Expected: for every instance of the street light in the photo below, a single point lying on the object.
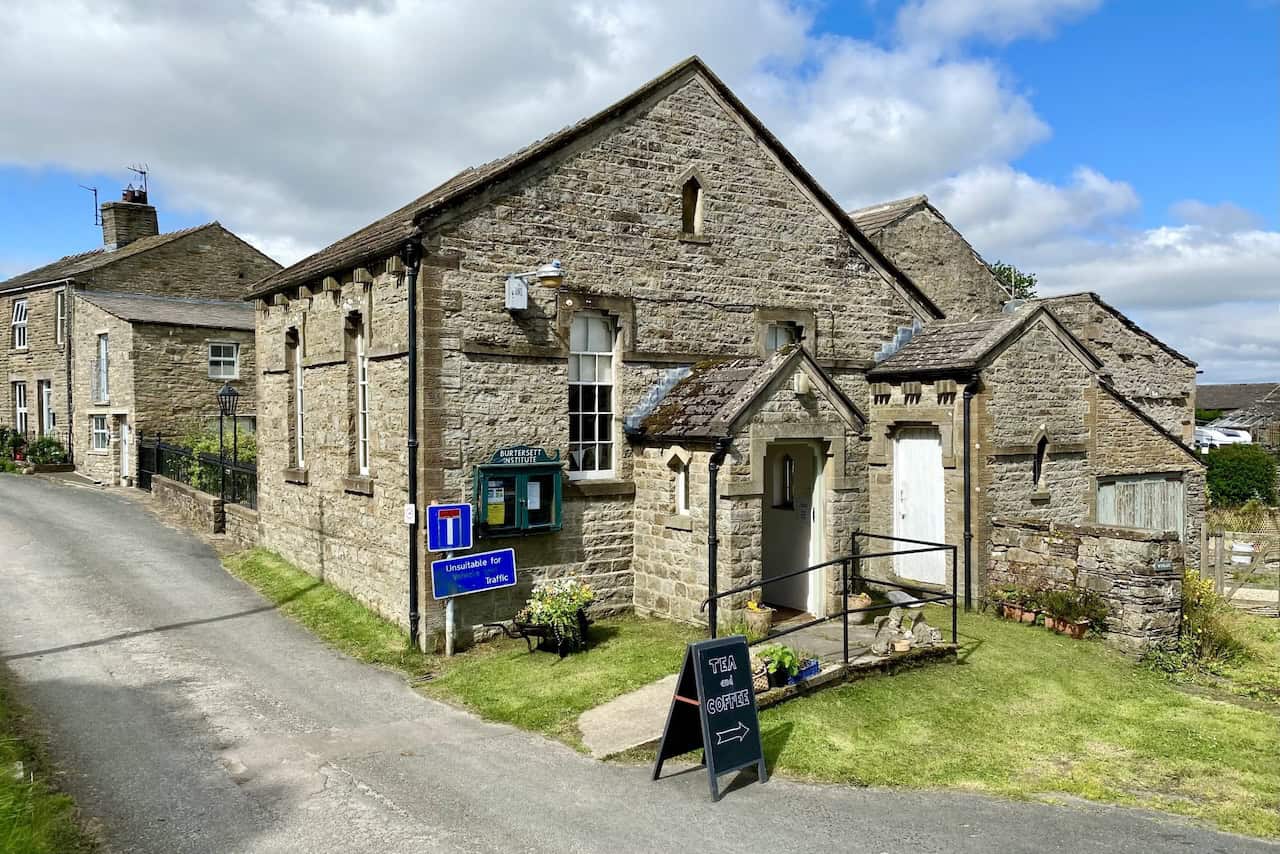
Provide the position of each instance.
(228, 400)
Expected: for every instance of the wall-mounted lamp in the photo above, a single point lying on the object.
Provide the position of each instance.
(550, 275)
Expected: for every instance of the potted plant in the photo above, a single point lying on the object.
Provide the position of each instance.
(781, 663)
(809, 668)
(1004, 600)
(561, 607)
(759, 619)
(1029, 602)
(1057, 606)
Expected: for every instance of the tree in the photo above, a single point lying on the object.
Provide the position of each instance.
(1238, 473)
(1021, 285)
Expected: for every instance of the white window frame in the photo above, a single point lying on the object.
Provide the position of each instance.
(18, 325)
(44, 390)
(362, 404)
(588, 359)
(779, 335)
(300, 458)
(20, 409)
(99, 437)
(60, 313)
(682, 488)
(222, 361)
(103, 369)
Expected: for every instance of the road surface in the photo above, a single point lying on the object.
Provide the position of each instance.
(191, 717)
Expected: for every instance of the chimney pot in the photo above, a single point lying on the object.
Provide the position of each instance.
(128, 220)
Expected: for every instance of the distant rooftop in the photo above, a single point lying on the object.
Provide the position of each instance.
(174, 311)
(1229, 396)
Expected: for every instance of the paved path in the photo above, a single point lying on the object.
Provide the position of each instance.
(196, 719)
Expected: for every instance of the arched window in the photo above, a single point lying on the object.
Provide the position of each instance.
(1037, 464)
(691, 207)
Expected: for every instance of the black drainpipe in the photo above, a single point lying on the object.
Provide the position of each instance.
(969, 391)
(411, 254)
(713, 539)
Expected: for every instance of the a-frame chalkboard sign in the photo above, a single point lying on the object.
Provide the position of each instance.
(714, 707)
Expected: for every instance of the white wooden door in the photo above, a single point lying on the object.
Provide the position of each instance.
(919, 502)
(788, 542)
(126, 451)
(1149, 501)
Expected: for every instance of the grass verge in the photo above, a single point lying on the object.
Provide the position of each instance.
(1026, 713)
(34, 817)
(499, 681)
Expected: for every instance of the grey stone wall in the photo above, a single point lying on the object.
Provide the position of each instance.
(196, 509)
(1162, 385)
(943, 264)
(211, 263)
(173, 392)
(100, 464)
(609, 208)
(1119, 564)
(240, 524)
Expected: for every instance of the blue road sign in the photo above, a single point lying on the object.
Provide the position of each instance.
(448, 527)
(474, 573)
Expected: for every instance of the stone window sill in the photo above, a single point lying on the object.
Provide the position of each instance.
(99, 452)
(597, 488)
(679, 522)
(1041, 495)
(358, 485)
(298, 476)
(686, 237)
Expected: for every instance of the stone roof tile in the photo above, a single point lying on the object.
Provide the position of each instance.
(173, 311)
(73, 265)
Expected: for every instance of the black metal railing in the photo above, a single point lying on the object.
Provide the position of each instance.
(852, 580)
(235, 481)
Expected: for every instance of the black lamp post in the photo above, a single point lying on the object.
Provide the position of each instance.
(228, 400)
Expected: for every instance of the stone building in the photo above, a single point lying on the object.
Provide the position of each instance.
(710, 302)
(46, 371)
(1051, 438)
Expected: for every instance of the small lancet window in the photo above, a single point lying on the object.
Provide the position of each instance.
(784, 483)
(1037, 465)
(691, 207)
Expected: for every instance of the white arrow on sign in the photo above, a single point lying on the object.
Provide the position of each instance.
(737, 733)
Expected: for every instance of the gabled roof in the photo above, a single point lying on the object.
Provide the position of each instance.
(1262, 413)
(960, 348)
(382, 236)
(173, 311)
(875, 217)
(1133, 327)
(73, 265)
(1232, 395)
(711, 400)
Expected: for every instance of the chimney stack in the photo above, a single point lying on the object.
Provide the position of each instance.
(129, 219)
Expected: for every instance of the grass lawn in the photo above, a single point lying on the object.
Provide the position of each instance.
(1024, 714)
(34, 819)
(1027, 712)
(499, 681)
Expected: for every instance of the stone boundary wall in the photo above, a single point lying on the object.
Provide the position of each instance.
(201, 511)
(1117, 563)
(240, 524)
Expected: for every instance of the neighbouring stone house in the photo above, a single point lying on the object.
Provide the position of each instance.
(48, 373)
(712, 303)
(1261, 418)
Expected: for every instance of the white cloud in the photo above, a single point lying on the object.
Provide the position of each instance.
(941, 22)
(1005, 212)
(1223, 217)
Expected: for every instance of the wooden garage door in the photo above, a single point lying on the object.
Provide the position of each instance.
(1150, 501)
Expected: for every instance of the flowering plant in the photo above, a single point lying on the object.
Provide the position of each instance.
(556, 604)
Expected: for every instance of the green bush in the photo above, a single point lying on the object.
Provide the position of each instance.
(1238, 473)
(1205, 641)
(11, 442)
(47, 451)
(206, 477)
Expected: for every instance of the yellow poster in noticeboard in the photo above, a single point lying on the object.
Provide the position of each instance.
(496, 504)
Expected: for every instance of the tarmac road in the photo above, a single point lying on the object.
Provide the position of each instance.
(191, 717)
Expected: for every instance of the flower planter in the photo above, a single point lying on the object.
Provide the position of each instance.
(859, 600)
(1074, 629)
(901, 644)
(778, 678)
(759, 621)
(1050, 623)
(1010, 612)
(1029, 617)
(808, 670)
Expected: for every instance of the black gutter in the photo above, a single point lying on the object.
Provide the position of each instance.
(411, 255)
(713, 539)
(969, 391)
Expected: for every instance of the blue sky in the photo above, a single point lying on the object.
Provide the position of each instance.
(1127, 147)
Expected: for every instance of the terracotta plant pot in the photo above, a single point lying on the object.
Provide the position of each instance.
(1029, 617)
(1050, 623)
(902, 645)
(1073, 629)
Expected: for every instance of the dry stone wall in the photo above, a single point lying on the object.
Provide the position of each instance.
(196, 509)
(1137, 573)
